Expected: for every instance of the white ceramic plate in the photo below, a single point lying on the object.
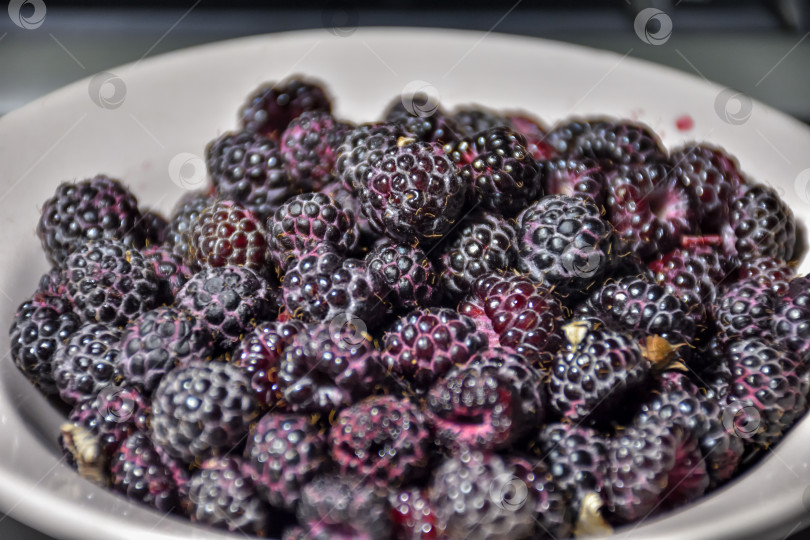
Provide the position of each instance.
(134, 122)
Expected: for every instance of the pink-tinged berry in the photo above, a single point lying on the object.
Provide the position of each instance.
(383, 439)
(309, 146)
(328, 368)
(413, 516)
(574, 177)
(772, 273)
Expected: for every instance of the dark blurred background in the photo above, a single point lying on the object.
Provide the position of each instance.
(754, 46)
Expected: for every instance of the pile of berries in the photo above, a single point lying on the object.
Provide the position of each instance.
(460, 326)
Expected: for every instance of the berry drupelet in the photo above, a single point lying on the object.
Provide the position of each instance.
(760, 224)
(94, 209)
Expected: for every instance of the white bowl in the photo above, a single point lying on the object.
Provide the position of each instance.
(134, 122)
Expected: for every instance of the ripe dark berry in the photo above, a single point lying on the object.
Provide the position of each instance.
(89, 210)
(487, 404)
(305, 221)
(565, 244)
(322, 285)
(110, 283)
(500, 173)
(424, 345)
(249, 169)
(226, 234)
(87, 363)
(575, 177)
(482, 244)
(773, 273)
(222, 495)
(342, 507)
(462, 496)
(144, 474)
(517, 313)
(259, 354)
(229, 300)
(329, 367)
(271, 107)
(382, 439)
(409, 274)
(361, 147)
(411, 192)
(745, 309)
(202, 409)
(184, 216)
(713, 177)
(171, 271)
(285, 452)
(419, 115)
(618, 143)
(155, 227)
(41, 325)
(595, 378)
(760, 225)
(159, 340)
(649, 209)
(472, 120)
